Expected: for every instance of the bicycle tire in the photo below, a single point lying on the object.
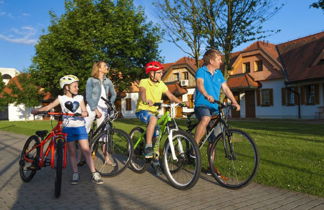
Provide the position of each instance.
(183, 173)
(120, 151)
(138, 162)
(25, 171)
(59, 166)
(238, 169)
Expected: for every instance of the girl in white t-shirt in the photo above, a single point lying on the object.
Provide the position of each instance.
(74, 126)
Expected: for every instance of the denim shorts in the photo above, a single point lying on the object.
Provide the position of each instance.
(144, 116)
(75, 133)
(201, 111)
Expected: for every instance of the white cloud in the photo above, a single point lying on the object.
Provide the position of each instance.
(24, 35)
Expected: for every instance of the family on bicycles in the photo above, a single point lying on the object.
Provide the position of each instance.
(209, 80)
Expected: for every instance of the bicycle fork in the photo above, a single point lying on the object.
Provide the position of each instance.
(228, 146)
(180, 147)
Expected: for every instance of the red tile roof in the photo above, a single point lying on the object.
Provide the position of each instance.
(298, 56)
(243, 81)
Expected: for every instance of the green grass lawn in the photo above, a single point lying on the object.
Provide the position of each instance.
(291, 152)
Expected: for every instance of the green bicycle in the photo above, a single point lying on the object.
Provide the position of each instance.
(180, 157)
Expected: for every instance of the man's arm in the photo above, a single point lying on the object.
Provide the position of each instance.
(230, 95)
(201, 88)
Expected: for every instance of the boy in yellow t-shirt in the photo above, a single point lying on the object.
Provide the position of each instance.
(150, 92)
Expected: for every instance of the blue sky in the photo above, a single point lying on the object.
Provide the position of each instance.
(23, 21)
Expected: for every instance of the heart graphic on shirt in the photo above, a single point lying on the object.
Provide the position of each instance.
(72, 106)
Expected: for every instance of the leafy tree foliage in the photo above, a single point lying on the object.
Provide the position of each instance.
(319, 4)
(226, 24)
(182, 23)
(23, 91)
(93, 30)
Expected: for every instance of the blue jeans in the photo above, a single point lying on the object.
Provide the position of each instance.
(144, 116)
(202, 111)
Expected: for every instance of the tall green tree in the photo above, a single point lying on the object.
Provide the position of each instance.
(114, 31)
(237, 22)
(224, 24)
(319, 4)
(181, 20)
(24, 92)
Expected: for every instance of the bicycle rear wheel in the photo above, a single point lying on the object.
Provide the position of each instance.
(28, 159)
(182, 173)
(138, 161)
(59, 166)
(119, 152)
(236, 167)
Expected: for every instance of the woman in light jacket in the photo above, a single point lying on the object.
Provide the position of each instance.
(98, 85)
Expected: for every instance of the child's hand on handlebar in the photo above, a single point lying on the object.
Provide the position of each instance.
(149, 102)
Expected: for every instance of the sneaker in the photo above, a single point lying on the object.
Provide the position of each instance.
(96, 178)
(157, 167)
(75, 178)
(148, 152)
(209, 173)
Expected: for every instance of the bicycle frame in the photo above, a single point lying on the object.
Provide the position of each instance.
(55, 135)
(164, 124)
(104, 126)
(220, 119)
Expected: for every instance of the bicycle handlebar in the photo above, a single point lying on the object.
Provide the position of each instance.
(223, 105)
(168, 105)
(58, 114)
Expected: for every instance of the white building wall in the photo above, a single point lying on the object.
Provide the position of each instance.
(11, 71)
(185, 98)
(282, 111)
(242, 105)
(20, 113)
(277, 110)
(125, 113)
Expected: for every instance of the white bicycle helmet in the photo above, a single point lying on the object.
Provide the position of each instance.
(67, 80)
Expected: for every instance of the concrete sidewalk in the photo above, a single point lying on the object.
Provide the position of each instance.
(130, 190)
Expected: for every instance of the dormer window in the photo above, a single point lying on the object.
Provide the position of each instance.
(246, 67)
(258, 65)
(185, 75)
(176, 76)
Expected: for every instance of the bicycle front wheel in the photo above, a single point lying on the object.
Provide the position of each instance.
(28, 159)
(138, 161)
(112, 152)
(59, 166)
(183, 171)
(233, 160)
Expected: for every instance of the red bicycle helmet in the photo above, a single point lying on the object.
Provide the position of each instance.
(153, 66)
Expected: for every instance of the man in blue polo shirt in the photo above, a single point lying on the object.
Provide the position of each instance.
(210, 81)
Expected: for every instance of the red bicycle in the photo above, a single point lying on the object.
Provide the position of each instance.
(33, 156)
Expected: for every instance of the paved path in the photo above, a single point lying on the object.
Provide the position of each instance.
(131, 191)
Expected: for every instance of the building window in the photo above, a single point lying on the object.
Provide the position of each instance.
(185, 75)
(258, 65)
(6, 76)
(246, 67)
(290, 97)
(176, 76)
(128, 104)
(266, 97)
(310, 94)
(191, 101)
